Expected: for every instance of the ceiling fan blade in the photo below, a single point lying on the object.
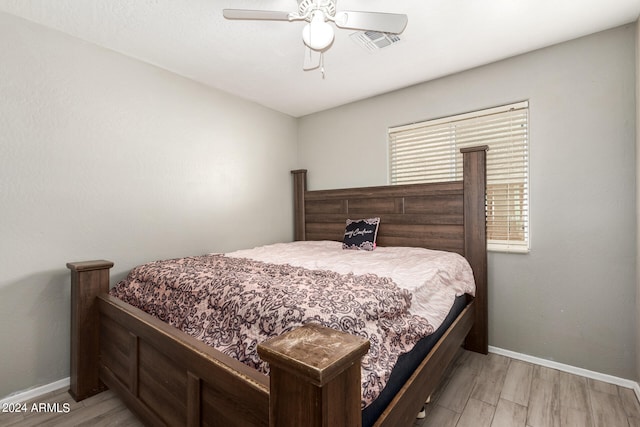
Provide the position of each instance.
(271, 15)
(311, 59)
(372, 21)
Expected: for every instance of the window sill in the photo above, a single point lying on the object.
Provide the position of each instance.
(492, 247)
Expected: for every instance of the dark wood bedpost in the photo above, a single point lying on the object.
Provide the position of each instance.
(314, 377)
(475, 241)
(88, 280)
(299, 187)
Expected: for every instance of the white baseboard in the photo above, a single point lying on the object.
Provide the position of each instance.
(570, 369)
(33, 393)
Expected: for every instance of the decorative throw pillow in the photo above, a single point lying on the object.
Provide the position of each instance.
(361, 234)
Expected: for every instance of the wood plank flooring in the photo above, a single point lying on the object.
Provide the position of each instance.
(103, 410)
(497, 391)
(491, 391)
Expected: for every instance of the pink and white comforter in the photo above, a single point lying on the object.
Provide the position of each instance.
(235, 301)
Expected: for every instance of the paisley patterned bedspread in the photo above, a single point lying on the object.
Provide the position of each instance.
(233, 304)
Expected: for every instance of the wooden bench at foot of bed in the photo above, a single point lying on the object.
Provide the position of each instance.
(169, 378)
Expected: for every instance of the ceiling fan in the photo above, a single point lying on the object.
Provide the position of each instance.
(317, 34)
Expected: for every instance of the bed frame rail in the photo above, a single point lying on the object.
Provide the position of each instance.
(426, 378)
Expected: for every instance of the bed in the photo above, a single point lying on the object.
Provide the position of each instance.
(170, 378)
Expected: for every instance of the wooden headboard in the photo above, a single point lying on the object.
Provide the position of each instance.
(446, 216)
(423, 215)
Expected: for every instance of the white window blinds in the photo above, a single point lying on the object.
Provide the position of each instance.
(430, 152)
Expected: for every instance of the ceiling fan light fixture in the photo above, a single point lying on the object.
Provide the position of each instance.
(318, 34)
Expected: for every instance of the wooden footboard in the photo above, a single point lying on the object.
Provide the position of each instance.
(162, 374)
(170, 378)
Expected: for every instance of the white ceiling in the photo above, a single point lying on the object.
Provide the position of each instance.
(262, 60)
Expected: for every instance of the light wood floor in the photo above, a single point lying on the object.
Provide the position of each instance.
(103, 410)
(497, 391)
(492, 391)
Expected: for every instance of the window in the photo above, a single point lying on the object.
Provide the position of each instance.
(430, 152)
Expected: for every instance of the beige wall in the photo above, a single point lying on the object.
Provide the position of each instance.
(102, 156)
(571, 300)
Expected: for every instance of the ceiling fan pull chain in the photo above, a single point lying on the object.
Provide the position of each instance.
(322, 64)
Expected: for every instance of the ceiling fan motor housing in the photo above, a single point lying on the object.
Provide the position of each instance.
(326, 6)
